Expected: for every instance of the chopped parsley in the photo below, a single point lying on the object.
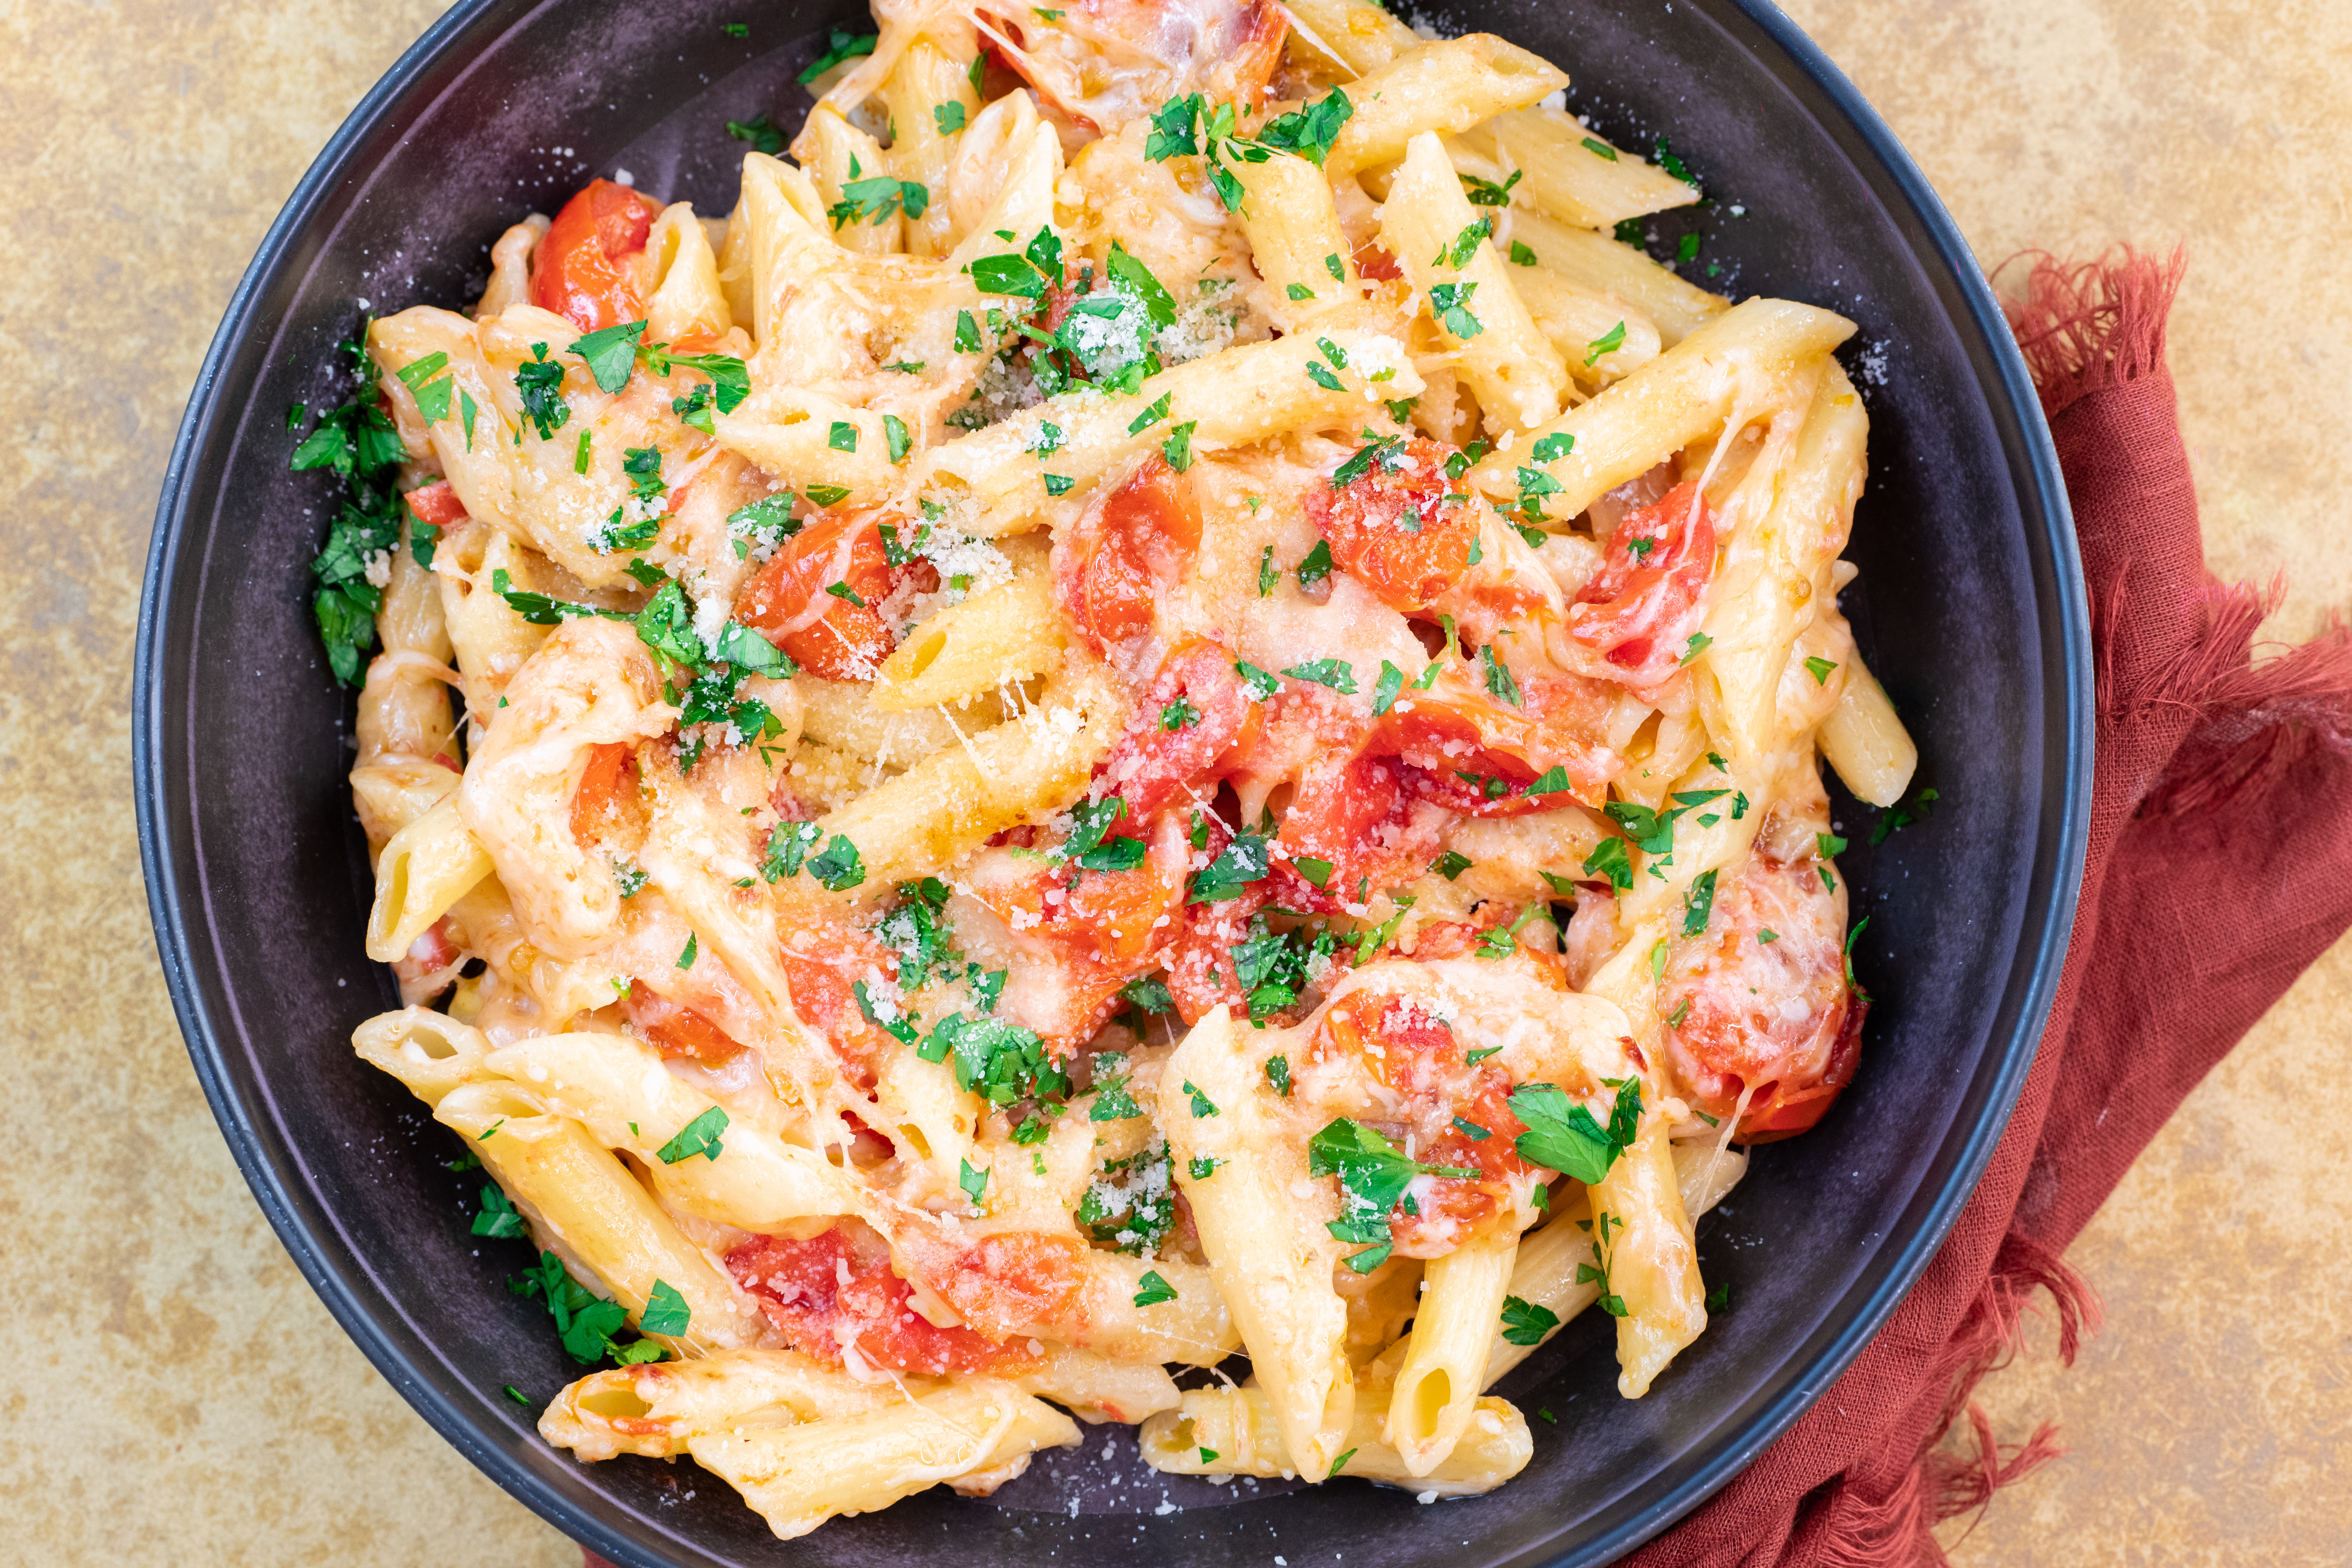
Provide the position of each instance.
(841, 44)
(1449, 303)
(1178, 447)
(877, 199)
(498, 1219)
(700, 1136)
(763, 136)
(586, 1321)
(1526, 1322)
(1373, 1175)
(1336, 673)
(1819, 669)
(610, 353)
(1610, 859)
(1152, 1290)
(1487, 194)
(1465, 244)
(1607, 342)
(1563, 1136)
(1277, 1073)
(1699, 905)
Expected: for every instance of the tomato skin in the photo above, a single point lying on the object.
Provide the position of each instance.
(823, 1290)
(1789, 1110)
(673, 1029)
(821, 964)
(1374, 263)
(1151, 767)
(1352, 811)
(1094, 930)
(1365, 522)
(1775, 1020)
(1455, 728)
(606, 791)
(1640, 610)
(827, 635)
(1420, 1058)
(1124, 553)
(437, 505)
(590, 265)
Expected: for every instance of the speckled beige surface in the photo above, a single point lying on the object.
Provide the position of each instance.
(179, 1395)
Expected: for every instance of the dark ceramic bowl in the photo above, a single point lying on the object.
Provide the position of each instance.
(1971, 606)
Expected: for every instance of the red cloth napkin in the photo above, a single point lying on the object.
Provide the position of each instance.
(2219, 866)
(2199, 909)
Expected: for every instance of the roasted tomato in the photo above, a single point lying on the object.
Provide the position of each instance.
(1351, 811)
(839, 634)
(822, 964)
(1195, 716)
(835, 1291)
(1083, 935)
(1476, 754)
(1762, 1001)
(673, 1029)
(1400, 528)
(1100, 63)
(1417, 1055)
(1640, 610)
(590, 266)
(1125, 551)
(606, 796)
(1200, 972)
(437, 505)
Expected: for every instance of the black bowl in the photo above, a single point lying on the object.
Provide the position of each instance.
(1970, 606)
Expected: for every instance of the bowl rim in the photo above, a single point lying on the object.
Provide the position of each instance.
(2060, 840)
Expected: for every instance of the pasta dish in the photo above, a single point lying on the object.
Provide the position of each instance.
(1144, 746)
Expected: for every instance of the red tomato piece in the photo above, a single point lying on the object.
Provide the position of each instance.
(1454, 729)
(1394, 531)
(1351, 811)
(829, 1292)
(1418, 1056)
(1640, 610)
(1775, 1016)
(788, 599)
(1200, 973)
(437, 505)
(1005, 1281)
(590, 266)
(1152, 765)
(821, 964)
(673, 1029)
(1126, 551)
(1373, 261)
(1083, 934)
(606, 792)
(429, 959)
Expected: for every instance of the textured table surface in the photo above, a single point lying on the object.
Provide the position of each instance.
(180, 1395)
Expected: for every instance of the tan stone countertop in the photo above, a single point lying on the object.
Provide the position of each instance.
(182, 1397)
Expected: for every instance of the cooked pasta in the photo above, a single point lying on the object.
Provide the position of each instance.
(1156, 707)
